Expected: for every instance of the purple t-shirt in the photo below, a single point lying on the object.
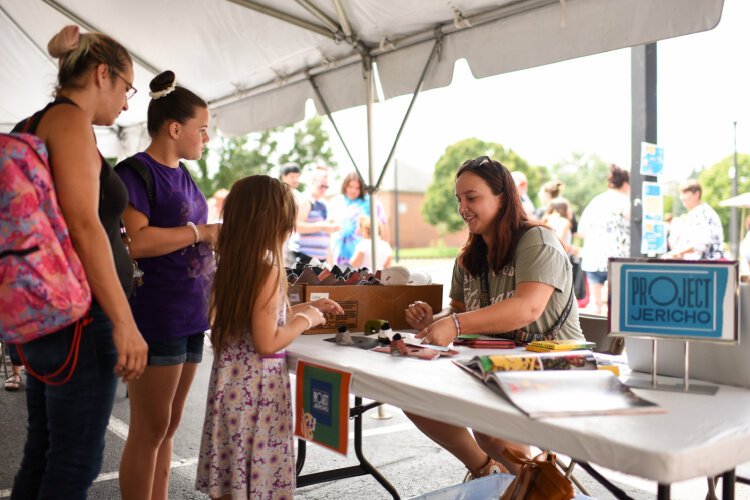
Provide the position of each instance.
(173, 301)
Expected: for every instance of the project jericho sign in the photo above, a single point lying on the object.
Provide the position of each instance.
(678, 299)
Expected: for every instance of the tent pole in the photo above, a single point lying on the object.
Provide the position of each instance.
(367, 63)
(436, 50)
(312, 9)
(283, 16)
(327, 111)
(81, 22)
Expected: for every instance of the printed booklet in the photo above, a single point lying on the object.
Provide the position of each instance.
(557, 385)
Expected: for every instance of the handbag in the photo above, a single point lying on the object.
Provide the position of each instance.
(538, 479)
(579, 277)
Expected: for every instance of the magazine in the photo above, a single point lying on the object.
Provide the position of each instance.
(556, 384)
(482, 366)
(570, 393)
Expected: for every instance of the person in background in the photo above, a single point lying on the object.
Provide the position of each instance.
(312, 237)
(512, 278)
(67, 423)
(701, 232)
(347, 208)
(247, 444)
(522, 185)
(605, 229)
(172, 243)
(290, 174)
(363, 251)
(557, 217)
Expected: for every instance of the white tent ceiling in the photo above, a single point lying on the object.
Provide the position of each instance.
(253, 68)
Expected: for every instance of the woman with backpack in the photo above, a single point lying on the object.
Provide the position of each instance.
(172, 245)
(67, 423)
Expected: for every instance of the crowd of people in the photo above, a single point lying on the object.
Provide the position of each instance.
(163, 271)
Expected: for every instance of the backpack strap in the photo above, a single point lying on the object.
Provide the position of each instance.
(144, 172)
(146, 175)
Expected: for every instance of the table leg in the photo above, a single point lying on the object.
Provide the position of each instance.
(301, 452)
(727, 485)
(662, 492)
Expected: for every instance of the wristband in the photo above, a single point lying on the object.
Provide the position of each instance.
(306, 317)
(458, 325)
(195, 230)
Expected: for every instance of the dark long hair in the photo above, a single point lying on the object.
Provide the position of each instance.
(510, 224)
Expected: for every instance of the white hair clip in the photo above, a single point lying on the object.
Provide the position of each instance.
(162, 93)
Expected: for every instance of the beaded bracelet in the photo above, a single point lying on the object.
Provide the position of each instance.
(458, 325)
(306, 317)
(192, 226)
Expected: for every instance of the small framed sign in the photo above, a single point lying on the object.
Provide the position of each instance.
(322, 406)
(676, 299)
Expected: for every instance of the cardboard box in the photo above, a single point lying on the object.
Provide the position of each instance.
(364, 302)
(296, 294)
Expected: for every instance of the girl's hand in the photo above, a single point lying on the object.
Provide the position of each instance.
(208, 233)
(441, 332)
(327, 306)
(419, 315)
(314, 315)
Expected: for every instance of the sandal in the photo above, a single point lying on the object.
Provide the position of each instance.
(491, 467)
(13, 383)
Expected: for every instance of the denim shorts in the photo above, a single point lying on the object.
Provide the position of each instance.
(176, 351)
(597, 276)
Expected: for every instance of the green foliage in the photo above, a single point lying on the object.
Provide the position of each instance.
(258, 153)
(436, 252)
(311, 145)
(717, 185)
(584, 177)
(439, 208)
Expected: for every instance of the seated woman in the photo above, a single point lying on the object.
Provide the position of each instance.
(513, 269)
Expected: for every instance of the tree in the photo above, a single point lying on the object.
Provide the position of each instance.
(439, 208)
(258, 153)
(717, 185)
(311, 145)
(584, 177)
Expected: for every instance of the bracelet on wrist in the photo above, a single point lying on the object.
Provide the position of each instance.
(458, 325)
(192, 226)
(306, 318)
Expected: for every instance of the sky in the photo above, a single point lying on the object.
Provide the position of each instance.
(582, 105)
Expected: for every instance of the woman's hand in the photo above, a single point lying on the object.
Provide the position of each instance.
(132, 352)
(327, 306)
(442, 332)
(419, 315)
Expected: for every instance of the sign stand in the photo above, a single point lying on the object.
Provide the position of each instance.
(685, 386)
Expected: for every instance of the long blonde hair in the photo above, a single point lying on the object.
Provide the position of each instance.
(259, 213)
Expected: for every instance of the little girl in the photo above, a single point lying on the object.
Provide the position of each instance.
(247, 449)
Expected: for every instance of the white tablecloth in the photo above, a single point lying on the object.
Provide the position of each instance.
(699, 436)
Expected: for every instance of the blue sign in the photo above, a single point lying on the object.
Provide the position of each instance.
(652, 159)
(654, 238)
(672, 300)
(321, 400)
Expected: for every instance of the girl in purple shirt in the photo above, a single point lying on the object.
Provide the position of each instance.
(172, 244)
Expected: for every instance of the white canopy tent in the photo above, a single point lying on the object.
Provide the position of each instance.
(257, 63)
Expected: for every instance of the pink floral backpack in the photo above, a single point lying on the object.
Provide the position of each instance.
(43, 286)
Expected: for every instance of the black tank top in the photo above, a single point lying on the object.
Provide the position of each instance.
(113, 199)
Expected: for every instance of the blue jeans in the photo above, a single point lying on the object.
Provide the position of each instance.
(65, 442)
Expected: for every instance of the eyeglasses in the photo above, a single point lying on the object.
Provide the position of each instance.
(130, 91)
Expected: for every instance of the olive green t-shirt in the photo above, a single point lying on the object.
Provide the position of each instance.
(539, 257)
